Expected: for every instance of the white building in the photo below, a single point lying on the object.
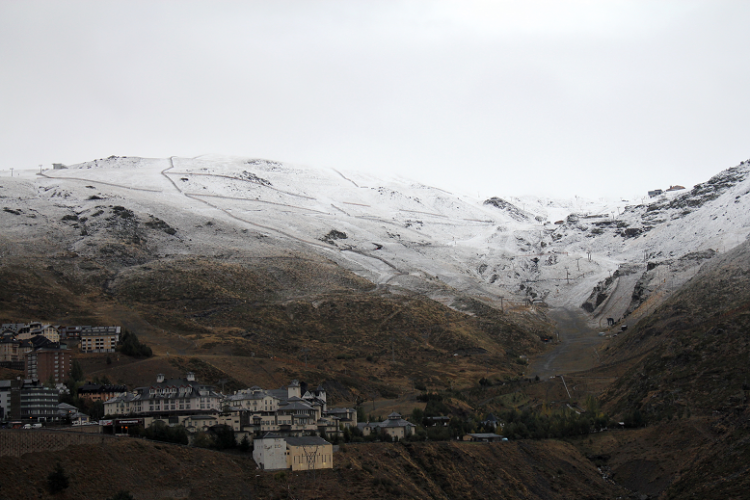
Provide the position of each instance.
(269, 452)
(273, 452)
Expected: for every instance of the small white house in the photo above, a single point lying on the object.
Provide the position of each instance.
(269, 452)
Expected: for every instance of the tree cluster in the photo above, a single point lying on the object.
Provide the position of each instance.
(531, 424)
(160, 431)
(131, 346)
(94, 409)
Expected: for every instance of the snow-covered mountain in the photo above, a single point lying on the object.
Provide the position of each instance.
(615, 256)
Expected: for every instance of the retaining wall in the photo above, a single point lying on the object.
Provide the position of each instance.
(14, 443)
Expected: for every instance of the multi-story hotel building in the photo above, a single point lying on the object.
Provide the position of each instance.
(167, 397)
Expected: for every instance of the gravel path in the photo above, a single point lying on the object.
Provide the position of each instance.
(576, 350)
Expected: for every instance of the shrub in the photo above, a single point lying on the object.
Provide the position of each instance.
(244, 445)
(159, 431)
(634, 419)
(223, 437)
(202, 440)
(121, 495)
(537, 425)
(57, 480)
(131, 346)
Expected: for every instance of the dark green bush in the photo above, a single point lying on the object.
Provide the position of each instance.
(57, 480)
(131, 346)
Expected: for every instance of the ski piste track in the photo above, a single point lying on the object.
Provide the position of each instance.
(205, 199)
(201, 199)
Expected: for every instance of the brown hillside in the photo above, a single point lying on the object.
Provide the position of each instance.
(518, 470)
(694, 347)
(263, 321)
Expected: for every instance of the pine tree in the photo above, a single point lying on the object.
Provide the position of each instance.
(76, 372)
(245, 444)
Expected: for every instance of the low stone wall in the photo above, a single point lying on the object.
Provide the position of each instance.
(14, 443)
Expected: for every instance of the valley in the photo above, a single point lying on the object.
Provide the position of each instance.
(575, 346)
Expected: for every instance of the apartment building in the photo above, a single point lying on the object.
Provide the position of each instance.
(99, 338)
(49, 364)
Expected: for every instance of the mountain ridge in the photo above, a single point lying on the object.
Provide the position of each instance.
(394, 233)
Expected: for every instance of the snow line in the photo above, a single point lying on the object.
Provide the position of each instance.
(98, 182)
(345, 177)
(256, 200)
(426, 213)
(267, 228)
(163, 172)
(194, 197)
(340, 210)
(359, 252)
(244, 180)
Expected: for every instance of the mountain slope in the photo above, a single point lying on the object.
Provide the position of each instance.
(688, 381)
(695, 345)
(523, 470)
(389, 231)
(255, 249)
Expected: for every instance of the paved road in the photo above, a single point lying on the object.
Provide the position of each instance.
(575, 352)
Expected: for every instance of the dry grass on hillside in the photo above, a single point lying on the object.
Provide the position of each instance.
(519, 470)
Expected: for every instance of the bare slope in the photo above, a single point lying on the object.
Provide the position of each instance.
(695, 345)
(522, 470)
(683, 371)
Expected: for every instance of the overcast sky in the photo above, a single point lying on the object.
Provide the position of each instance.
(562, 98)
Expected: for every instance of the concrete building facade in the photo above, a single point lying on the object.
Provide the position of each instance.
(49, 364)
(274, 452)
(99, 339)
(308, 453)
(269, 452)
(393, 428)
(32, 401)
(167, 397)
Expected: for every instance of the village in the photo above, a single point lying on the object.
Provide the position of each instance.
(291, 427)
